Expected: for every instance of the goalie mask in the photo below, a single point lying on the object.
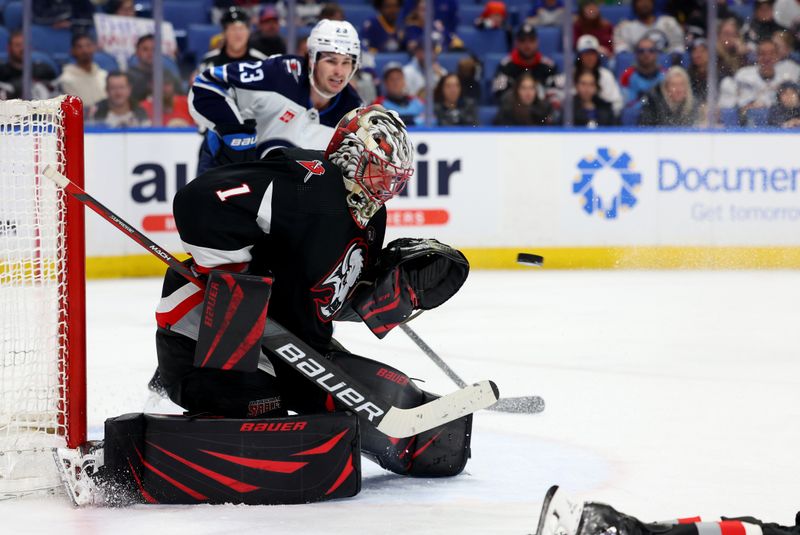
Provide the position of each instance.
(372, 148)
(337, 37)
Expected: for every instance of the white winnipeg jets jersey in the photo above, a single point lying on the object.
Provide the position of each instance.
(276, 93)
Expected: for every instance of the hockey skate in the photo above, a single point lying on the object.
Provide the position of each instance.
(559, 515)
(78, 468)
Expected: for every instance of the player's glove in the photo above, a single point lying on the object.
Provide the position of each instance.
(233, 143)
(412, 274)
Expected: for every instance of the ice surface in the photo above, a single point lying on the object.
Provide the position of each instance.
(668, 394)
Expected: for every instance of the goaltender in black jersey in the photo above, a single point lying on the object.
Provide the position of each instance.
(310, 226)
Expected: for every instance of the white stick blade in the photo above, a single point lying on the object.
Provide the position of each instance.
(401, 423)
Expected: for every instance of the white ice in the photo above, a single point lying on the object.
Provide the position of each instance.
(668, 394)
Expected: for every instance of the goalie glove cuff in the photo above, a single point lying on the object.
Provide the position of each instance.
(385, 304)
(413, 274)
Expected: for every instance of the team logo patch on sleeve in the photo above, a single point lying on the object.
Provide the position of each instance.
(336, 285)
(314, 167)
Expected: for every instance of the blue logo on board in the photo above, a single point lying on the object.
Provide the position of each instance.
(607, 183)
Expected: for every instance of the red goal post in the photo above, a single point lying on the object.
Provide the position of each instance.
(42, 292)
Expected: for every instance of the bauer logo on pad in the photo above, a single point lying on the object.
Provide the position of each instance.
(234, 315)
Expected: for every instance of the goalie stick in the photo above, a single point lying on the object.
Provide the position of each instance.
(371, 409)
(522, 404)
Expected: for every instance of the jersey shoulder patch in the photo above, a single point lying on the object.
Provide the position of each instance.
(313, 168)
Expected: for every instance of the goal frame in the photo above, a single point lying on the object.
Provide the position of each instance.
(74, 413)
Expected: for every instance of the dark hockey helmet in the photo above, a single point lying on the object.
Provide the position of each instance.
(235, 14)
(372, 148)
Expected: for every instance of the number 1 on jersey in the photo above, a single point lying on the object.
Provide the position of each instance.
(223, 194)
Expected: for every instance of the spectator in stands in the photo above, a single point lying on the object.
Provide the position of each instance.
(306, 12)
(331, 11)
(691, 14)
(121, 8)
(84, 78)
(221, 7)
(414, 70)
(268, 39)
(638, 79)
(762, 24)
(698, 69)
(671, 103)
(382, 32)
(546, 13)
(628, 32)
(493, 17)
(785, 113)
(444, 11)
(524, 57)
(140, 73)
(469, 76)
(395, 97)
(731, 49)
(784, 41)
(414, 31)
(118, 110)
(589, 108)
(787, 13)
(235, 37)
(364, 81)
(43, 74)
(523, 106)
(450, 106)
(60, 14)
(755, 86)
(174, 108)
(588, 58)
(589, 21)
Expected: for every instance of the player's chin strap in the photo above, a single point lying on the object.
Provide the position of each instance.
(320, 92)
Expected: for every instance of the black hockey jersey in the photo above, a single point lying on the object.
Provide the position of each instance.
(286, 215)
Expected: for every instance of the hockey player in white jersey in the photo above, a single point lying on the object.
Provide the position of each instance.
(250, 108)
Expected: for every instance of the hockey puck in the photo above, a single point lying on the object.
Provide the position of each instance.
(530, 259)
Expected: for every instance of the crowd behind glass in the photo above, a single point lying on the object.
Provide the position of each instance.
(495, 63)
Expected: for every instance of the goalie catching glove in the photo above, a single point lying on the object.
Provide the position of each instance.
(412, 274)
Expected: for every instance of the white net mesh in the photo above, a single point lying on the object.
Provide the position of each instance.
(33, 295)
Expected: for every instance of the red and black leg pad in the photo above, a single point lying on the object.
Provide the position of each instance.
(442, 451)
(179, 460)
(232, 324)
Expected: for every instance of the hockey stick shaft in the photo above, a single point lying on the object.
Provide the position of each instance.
(522, 404)
(448, 371)
(372, 408)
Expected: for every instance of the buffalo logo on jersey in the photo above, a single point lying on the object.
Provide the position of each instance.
(314, 167)
(336, 285)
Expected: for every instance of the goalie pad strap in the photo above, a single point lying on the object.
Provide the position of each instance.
(180, 460)
(442, 451)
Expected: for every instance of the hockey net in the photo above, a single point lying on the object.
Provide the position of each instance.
(42, 320)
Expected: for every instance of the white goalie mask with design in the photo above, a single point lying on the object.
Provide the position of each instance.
(372, 148)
